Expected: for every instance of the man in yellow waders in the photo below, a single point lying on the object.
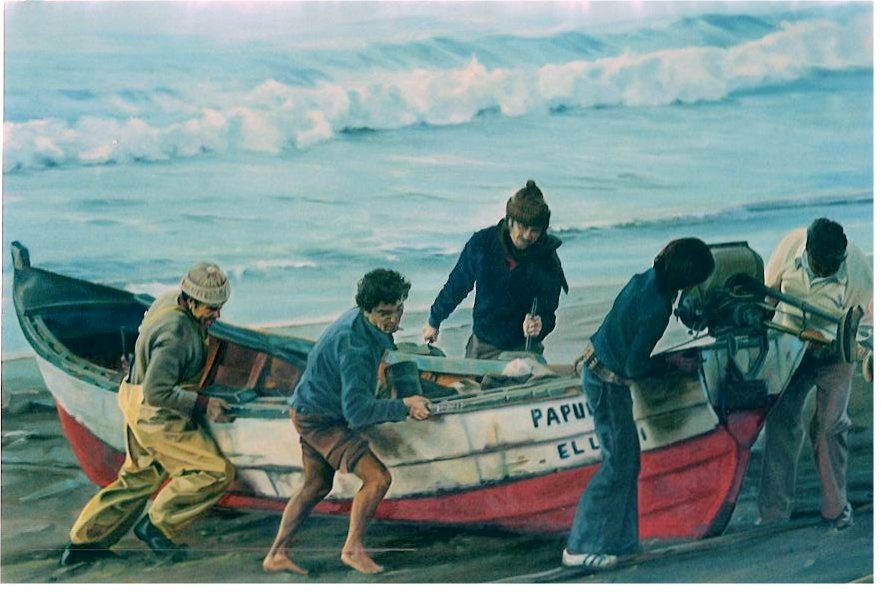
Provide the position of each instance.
(165, 434)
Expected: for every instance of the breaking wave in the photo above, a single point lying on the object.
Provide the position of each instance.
(733, 56)
(261, 268)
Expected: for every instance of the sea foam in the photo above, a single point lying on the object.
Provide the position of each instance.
(273, 117)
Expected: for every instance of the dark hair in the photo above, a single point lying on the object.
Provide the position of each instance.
(827, 242)
(684, 262)
(381, 286)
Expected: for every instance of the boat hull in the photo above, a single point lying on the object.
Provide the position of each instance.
(517, 456)
(686, 490)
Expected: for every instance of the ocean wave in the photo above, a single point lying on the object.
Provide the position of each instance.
(740, 213)
(236, 272)
(268, 267)
(151, 288)
(274, 117)
(93, 204)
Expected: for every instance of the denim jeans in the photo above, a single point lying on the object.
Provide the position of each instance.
(607, 518)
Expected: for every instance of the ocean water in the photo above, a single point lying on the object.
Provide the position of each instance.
(301, 145)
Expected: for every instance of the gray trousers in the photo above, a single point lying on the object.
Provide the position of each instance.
(607, 517)
(480, 349)
(784, 435)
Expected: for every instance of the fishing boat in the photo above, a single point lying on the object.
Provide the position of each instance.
(503, 447)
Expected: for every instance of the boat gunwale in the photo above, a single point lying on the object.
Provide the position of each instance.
(56, 352)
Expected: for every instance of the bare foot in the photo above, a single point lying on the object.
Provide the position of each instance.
(357, 559)
(280, 562)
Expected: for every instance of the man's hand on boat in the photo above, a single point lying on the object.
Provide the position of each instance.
(418, 406)
(578, 364)
(217, 411)
(531, 325)
(429, 333)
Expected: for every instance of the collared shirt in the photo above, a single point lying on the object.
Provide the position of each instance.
(636, 322)
(341, 375)
(789, 271)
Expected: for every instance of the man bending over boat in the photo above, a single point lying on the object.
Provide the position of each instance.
(165, 434)
(606, 523)
(335, 397)
(514, 265)
(818, 266)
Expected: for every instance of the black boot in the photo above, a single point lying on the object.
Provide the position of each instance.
(84, 553)
(158, 542)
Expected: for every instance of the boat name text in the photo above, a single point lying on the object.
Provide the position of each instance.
(557, 414)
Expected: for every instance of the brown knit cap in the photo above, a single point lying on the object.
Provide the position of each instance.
(528, 207)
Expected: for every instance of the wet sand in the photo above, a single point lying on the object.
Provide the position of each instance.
(43, 490)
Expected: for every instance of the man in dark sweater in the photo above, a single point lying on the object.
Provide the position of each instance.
(606, 523)
(513, 264)
(335, 397)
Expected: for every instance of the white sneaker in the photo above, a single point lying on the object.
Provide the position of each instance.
(595, 561)
(844, 519)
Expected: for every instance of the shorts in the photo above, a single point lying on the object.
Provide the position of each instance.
(329, 440)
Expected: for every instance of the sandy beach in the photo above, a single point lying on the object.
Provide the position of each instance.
(43, 490)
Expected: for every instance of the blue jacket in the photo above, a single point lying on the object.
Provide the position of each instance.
(507, 281)
(636, 322)
(341, 375)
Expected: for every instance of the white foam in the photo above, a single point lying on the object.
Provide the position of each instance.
(154, 288)
(273, 117)
(237, 271)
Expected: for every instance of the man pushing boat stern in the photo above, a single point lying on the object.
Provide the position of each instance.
(165, 434)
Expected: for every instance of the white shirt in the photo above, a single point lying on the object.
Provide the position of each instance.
(789, 272)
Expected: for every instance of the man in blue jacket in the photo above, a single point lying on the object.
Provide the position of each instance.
(513, 264)
(335, 397)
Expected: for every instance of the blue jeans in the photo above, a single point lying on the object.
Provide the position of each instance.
(607, 518)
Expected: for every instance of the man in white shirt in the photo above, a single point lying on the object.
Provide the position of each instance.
(819, 267)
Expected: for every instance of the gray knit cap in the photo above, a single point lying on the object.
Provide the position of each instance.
(207, 283)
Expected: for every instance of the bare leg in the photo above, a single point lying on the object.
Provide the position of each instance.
(376, 481)
(318, 477)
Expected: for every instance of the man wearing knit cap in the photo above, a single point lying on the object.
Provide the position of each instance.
(513, 264)
(165, 435)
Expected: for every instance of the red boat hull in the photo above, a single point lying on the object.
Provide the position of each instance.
(686, 490)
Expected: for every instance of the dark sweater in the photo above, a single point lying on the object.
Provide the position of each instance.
(636, 322)
(507, 280)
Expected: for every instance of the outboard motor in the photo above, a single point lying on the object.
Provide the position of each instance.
(714, 305)
(734, 302)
